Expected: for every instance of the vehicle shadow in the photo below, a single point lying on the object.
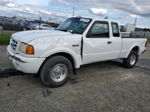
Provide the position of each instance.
(10, 72)
(89, 68)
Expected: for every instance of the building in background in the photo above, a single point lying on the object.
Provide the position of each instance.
(129, 27)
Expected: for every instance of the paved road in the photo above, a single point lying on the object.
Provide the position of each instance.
(100, 87)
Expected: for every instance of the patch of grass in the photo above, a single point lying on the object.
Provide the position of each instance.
(148, 40)
(5, 37)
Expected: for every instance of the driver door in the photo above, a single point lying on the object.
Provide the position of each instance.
(98, 44)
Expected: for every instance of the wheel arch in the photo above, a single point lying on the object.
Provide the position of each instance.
(136, 48)
(65, 54)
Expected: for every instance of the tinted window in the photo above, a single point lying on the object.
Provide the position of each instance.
(99, 29)
(115, 29)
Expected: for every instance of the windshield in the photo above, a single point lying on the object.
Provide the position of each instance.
(74, 25)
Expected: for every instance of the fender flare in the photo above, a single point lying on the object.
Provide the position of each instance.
(76, 58)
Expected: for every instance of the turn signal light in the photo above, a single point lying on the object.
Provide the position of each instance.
(30, 50)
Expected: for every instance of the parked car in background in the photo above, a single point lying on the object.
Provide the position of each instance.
(11, 24)
(45, 27)
(32, 26)
(24, 24)
(37, 26)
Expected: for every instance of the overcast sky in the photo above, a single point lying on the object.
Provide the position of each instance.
(123, 11)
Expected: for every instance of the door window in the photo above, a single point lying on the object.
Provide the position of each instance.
(99, 30)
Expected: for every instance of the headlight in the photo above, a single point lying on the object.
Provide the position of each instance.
(26, 49)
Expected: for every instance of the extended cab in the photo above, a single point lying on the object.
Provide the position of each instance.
(76, 42)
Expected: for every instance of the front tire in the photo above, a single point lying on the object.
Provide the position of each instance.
(131, 60)
(56, 71)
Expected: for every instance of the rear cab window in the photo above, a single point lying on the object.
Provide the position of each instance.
(115, 29)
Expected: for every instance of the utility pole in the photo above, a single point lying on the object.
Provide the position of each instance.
(73, 12)
(135, 21)
(40, 19)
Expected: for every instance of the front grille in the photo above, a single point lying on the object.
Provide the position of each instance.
(14, 44)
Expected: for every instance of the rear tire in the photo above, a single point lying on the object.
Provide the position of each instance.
(131, 60)
(56, 71)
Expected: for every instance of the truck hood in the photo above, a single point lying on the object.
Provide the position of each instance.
(27, 36)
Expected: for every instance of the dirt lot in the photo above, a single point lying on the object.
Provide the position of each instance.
(100, 87)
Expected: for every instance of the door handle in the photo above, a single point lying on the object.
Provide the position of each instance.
(75, 45)
(109, 42)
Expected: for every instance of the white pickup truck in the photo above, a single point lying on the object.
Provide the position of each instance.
(55, 54)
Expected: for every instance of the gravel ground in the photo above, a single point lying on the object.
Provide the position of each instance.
(100, 87)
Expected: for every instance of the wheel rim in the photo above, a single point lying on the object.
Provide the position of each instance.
(133, 59)
(59, 72)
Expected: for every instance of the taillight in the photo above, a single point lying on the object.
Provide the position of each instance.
(146, 44)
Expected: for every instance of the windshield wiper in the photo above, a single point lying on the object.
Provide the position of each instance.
(65, 30)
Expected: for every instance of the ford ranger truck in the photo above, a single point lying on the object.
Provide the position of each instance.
(55, 54)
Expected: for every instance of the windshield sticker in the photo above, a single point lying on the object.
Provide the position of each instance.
(84, 20)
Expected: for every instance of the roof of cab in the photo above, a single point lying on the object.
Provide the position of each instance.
(98, 19)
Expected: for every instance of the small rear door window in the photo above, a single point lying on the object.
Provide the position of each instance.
(115, 29)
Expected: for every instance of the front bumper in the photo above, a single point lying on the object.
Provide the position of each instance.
(23, 64)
